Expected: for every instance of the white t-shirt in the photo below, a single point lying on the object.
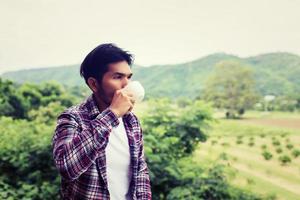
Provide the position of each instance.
(118, 163)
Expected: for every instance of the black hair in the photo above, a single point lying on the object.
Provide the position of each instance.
(96, 62)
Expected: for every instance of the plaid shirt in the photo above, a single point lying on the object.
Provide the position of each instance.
(79, 143)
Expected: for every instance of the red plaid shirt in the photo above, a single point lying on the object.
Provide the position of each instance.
(79, 144)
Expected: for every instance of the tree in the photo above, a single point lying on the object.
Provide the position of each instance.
(12, 102)
(17, 101)
(171, 135)
(231, 86)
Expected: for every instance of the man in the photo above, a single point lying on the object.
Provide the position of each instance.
(98, 145)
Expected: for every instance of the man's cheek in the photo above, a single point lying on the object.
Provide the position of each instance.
(111, 96)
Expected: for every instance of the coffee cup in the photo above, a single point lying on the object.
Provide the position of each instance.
(137, 90)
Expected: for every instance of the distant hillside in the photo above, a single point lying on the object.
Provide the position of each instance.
(275, 73)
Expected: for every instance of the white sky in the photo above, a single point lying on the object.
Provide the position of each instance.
(41, 33)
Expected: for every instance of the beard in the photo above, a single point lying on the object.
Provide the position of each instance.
(102, 96)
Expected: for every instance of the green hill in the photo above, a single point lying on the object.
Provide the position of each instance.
(275, 73)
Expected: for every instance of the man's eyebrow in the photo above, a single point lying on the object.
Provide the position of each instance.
(122, 74)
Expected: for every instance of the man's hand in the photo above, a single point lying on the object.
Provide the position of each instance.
(122, 102)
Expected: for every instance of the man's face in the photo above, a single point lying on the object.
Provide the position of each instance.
(116, 78)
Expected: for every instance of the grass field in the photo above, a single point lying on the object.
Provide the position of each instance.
(239, 145)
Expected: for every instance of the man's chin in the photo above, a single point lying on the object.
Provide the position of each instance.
(104, 100)
(108, 101)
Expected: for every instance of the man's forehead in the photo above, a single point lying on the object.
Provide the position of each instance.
(120, 68)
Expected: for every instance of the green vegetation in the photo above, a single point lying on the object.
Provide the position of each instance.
(18, 100)
(289, 146)
(190, 154)
(296, 153)
(231, 87)
(171, 134)
(258, 168)
(284, 159)
(267, 155)
(264, 146)
(276, 142)
(279, 150)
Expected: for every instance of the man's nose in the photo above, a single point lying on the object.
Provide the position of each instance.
(125, 82)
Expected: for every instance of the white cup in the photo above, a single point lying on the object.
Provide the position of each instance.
(136, 89)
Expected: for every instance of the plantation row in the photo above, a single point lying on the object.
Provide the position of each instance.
(287, 152)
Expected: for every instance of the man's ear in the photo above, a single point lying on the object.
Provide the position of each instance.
(93, 84)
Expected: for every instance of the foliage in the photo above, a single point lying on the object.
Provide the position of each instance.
(231, 87)
(239, 141)
(26, 166)
(284, 159)
(264, 146)
(251, 144)
(276, 142)
(289, 146)
(210, 184)
(279, 150)
(17, 101)
(27, 170)
(267, 155)
(296, 153)
(171, 134)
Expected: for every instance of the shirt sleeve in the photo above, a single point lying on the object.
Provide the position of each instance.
(76, 147)
(143, 179)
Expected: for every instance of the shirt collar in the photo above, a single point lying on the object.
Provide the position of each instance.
(92, 107)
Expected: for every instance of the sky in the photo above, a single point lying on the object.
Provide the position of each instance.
(46, 33)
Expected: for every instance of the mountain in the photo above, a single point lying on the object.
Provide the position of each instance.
(275, 73)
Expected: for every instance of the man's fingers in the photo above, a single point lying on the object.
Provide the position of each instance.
(127, 93)
(130, 109)
(132, 101)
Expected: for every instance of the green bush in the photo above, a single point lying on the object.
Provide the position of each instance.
(263, 146)
(289, 146)
(273, 138)
(208, 184)
(276, 143)
(238, 141)
(296, 153)
(171, 134)
(279, 150)
(26, 167)
(284, 135)
(27, 170)
(262, 135)
(267, 155)
(18, 100)
(284, 159)
(251, 144)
